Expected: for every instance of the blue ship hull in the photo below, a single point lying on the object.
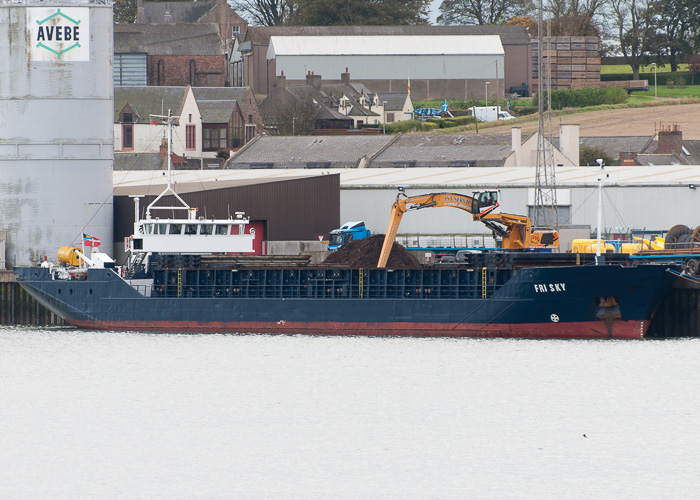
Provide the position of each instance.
(608, 301)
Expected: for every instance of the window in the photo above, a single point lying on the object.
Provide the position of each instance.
(190, 137)
(175, 228)
(206, 229)
(221, 229)
(127, 136)
(235, 30)
(390, 117)
(128, 118)
(191, 229)
(214, 137)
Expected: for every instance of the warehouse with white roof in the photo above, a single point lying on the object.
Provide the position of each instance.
(451, 67)
(633, 197)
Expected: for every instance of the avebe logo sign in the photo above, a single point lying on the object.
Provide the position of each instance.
(59, 34)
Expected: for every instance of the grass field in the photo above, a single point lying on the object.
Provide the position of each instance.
(626, 68)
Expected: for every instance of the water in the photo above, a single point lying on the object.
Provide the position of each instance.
(128, 415)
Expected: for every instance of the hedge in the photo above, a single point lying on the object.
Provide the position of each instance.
(587, 96)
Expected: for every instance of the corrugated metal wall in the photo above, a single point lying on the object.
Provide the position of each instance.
(130, 70)
(415, 67)
(298, 209)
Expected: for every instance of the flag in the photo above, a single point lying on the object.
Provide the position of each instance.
(91, 241)
(409, 86)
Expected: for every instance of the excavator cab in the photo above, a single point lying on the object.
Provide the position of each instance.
(484, 202)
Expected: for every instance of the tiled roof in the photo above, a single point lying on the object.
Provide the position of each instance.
(137, 161)
(216, 111)
(149, 100)
(394, 102)
(219, 93)
(296, 152)
(509, 34)
(180, 12)
(168, 39)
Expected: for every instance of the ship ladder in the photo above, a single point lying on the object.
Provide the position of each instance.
(361, 284)
(135, 265)
(179, 282)
(484, 282)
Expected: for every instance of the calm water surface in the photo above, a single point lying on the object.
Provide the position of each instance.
(126, 415)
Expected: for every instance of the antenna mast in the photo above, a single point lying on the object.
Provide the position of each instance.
(545, 209)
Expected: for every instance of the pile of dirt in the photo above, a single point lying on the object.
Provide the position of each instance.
(365, 253)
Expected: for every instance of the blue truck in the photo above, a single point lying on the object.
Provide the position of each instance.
(347, 232)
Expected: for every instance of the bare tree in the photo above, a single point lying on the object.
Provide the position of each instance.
(634, 24)
(481, 11)
(297, 117)
(574, 17)
(265, 12)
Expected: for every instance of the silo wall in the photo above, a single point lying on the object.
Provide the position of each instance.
(56, 131)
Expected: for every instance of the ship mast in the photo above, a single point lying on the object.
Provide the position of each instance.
(169, 120)
(545, 207)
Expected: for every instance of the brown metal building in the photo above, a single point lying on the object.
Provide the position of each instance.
(297, 209)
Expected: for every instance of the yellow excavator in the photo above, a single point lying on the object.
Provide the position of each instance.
(515, 230)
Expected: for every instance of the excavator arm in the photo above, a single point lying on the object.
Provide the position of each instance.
(478, 206)
(515, 230)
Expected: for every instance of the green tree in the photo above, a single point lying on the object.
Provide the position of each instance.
(679, 22)
(361, 12)
(124, 11)
(588, 156)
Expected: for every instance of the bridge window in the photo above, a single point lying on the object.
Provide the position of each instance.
(221, 229)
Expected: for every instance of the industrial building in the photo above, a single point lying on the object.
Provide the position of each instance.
(458, 69)
(56, 113)
(367, 194)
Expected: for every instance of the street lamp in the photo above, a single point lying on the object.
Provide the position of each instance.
(653, 65)
(486, 95)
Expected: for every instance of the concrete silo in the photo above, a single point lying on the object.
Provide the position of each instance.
(56, 131)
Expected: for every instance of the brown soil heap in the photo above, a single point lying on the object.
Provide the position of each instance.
(364, 254)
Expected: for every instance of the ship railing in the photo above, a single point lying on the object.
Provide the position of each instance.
(329, 283)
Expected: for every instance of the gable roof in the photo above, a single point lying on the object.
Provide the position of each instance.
(219, 93)
(444, 150)
(216, 111)
(179, 12)
(510, 35)
(168, 39)
(297, 151)
(394, 102)
(149, 101)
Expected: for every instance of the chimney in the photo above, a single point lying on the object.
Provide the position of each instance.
(516, 143)
(281, 80)
(314, 80)
(569, 143)
(139, 11)
(345, 77)
(163, 147)
(670, 140)
(628, 158)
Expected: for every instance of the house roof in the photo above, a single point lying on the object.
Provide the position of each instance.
(219, 93)
(179, 12)
(216, 111)
(168, 39)
(297, 151)
(510, 35)
(149, 101)
(444, 150)
(377, 45)
(394, 102)
(137, 161)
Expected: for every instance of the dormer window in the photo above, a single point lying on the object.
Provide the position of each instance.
(128, 118)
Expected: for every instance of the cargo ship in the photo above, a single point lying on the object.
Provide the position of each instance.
(468, 300)
(183, 276)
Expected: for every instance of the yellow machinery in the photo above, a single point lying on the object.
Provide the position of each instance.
(516, 230)
(70, 256)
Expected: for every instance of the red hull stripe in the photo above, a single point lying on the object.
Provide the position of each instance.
(583, 330)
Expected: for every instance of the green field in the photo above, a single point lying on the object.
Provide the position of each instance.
(606, 69)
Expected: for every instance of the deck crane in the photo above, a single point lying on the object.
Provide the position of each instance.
(516, 230)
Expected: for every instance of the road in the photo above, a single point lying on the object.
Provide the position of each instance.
(620, 122)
